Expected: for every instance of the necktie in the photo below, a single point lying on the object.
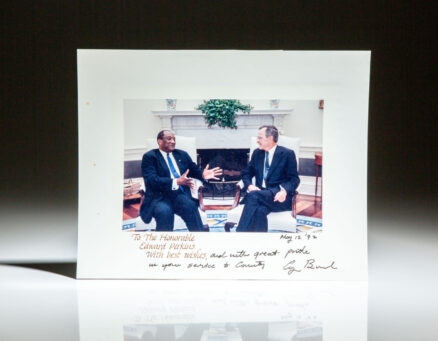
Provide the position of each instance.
(265, 173)
(173, 170)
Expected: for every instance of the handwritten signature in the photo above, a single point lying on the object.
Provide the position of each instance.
(310, 264)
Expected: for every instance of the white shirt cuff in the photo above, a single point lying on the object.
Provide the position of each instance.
(174, 185)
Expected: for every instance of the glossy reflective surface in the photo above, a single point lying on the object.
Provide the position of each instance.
(398, 303)
(38, 305)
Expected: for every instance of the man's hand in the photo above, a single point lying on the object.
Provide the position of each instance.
(280, 196)
(183, 180)
(208, 174)
(253, 188)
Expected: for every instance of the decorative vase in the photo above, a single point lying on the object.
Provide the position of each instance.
(274, 103)
(321, 104)
(171, 103)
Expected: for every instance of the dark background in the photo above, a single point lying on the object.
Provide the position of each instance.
(38, 122)
(39, 150)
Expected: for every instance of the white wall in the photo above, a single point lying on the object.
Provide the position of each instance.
(305, 122)
(140, 124)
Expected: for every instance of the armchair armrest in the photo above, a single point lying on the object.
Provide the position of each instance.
(201, 198)
(142, 193)
(236, 196)
(294, 205)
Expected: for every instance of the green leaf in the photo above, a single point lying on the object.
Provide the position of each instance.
(222, 112)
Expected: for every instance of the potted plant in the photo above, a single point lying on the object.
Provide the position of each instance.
(222, 112)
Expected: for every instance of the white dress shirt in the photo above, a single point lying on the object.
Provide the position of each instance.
(174, 184)
(271, 156)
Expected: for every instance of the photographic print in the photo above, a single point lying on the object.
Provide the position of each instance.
(286, 155)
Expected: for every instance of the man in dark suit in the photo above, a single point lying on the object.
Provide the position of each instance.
(168, 175)
(275, 170)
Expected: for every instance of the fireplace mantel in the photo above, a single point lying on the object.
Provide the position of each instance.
(199, 113)
(193, 119)
(192, 123)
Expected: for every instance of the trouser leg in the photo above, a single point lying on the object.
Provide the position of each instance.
(187, 209)
(252, 202)
(163, 215)
(258, 204)
(260, 221)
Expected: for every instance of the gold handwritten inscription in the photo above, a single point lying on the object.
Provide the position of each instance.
(169, 246)
(292, 255)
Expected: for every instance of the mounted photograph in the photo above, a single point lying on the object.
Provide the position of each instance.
(222, 165)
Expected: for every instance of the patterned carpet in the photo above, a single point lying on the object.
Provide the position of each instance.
(217, 219)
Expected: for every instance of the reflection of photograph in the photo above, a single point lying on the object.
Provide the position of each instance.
(252, 331)
(222, 165)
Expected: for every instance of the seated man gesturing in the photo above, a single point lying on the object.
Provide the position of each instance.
(168, 173)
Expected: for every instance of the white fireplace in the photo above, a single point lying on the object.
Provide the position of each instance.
(302, 119)
(191, 123)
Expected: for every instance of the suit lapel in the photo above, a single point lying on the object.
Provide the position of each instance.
(274, 162)
(260, 166)
(162, 162)
(177, 157)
